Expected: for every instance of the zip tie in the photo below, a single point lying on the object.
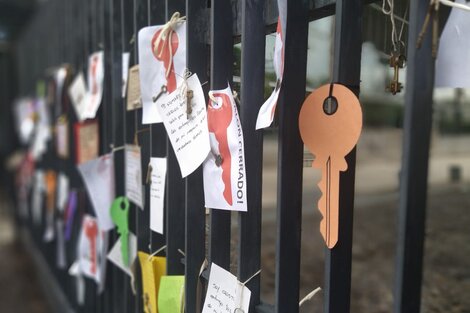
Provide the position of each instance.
(252, 276)
(309, 296)
(156, 252)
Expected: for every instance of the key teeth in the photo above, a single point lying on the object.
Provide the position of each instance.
(330, 242)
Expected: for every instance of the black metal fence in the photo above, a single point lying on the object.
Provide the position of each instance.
(68, 31)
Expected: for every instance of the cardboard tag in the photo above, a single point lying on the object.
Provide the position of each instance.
(86, 141)
(224, 168)
(133, 92)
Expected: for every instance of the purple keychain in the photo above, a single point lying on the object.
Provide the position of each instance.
(69, 214)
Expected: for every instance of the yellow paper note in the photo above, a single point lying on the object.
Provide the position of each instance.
(153, 269)
(171, 294)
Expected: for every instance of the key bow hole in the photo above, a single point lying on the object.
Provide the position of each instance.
(330, 105)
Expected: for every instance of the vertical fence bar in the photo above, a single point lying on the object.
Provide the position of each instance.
(414, 173)
(196, 12)
(252, 94)
(221, 74)
(290, 166)
(175, 197)
(346, 70)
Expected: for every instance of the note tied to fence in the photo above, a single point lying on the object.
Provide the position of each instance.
(95, 83)
(134, 175)
(188, 132)
(171, 294)
(86, 141)
(225, 293)
(224, 168)
(133, 91)
(125, 71)
(116, 255)
(153, 268)
(79, 96)
(157, 193)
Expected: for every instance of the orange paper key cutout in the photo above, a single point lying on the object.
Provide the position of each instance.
(218, 120)
(330, 135)
(164, 52)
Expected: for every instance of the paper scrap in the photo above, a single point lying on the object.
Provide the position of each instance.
(98, 177)
(225, 293)
(134, 175)
(86, 141)
(224, 169)
(189, 135)
(157, 59)
(79, 96)
(267, 110)
(153, 268)
(95, 83)
(453, 57)
(171, 294)
(115, 255)
(125, 71)
(62, 137)
(133, 92)
(157, 193)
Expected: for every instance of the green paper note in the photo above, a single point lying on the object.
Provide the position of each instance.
(119, 215)
(171, 294)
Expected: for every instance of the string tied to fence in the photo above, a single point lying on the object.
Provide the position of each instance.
(166, 34)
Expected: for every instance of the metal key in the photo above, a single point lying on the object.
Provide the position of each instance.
(397, 61)
(164, 53)
(330, 123)
(219, 117)
(433, 12)
(119, 215)
(91, 231)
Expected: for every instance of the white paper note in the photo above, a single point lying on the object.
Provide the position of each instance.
(134, 175)
(189, 137)
(95, 83)
(98, 176)
(267, 110)
(79, 96)
(453, 56)
(224, 168)
(154, 64)
(115, 255)
(225, 293)
(125, 72)
(62, 192)
(157, 193)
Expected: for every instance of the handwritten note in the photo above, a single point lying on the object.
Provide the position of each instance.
(225, 294)
(189, 135)
(134, 175)
(157, 193)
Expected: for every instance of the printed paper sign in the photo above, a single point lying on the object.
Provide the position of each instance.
(157, 193)
(86, 141)
(224, 168)
(62, 137)
(91, 248)
(171, 294)
(98, 177)
(133, 93)
(153, 268)
(188, 134)
(95, 83)
(453, 57)
(267, 110)
(134, 175)
(115, 255)
(225, 293)
(79, 96)
(125, 71)
(162, 64)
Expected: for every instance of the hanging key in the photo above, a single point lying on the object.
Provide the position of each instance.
(330, 123)
(120, 216)
(91, 232)
(433, 12)
(397, 61)
(219, 117)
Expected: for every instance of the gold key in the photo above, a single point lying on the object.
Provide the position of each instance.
(330, 123)
(397, 61)
(433, 12)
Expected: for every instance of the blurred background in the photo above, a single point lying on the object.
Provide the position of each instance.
(447, 253)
